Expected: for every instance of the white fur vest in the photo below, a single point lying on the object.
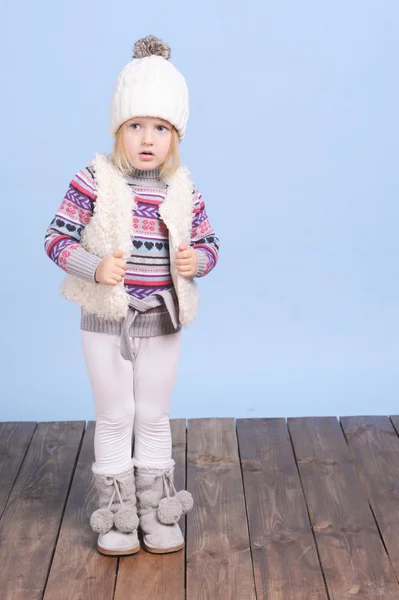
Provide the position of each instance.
(111, 228)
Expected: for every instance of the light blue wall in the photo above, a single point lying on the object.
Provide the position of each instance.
(293, 142)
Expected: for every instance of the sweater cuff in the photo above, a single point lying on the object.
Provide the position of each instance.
(82, 264)
(202, 263)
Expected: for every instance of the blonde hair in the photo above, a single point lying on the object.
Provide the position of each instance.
(121, 159)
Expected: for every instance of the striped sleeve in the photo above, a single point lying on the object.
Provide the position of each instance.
(203, 237)
(62, 238)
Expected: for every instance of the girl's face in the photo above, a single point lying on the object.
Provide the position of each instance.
(147, 141)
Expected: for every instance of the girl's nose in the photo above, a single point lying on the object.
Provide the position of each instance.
(147, 137)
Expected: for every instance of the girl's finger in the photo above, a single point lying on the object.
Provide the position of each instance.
(185, 269)
(119, 262)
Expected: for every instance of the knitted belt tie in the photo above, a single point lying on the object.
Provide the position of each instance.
(141, 306)
(126, 347)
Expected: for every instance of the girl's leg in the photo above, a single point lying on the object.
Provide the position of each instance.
(154, 377)
(111, 378)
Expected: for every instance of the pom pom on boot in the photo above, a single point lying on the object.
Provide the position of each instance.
(170, 509)
(186, 500)
(101, 520)
(126, 519)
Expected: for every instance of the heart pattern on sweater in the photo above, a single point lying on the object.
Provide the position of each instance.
(69, 226)
(149, 245)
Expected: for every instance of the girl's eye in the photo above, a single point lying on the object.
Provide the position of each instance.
(160, 127)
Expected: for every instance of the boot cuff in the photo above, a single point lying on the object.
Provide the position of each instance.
(98, 471)
(151, 466)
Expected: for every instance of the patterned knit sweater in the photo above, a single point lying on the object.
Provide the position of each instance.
(148, 267)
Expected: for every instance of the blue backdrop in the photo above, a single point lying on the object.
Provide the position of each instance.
(293, 142)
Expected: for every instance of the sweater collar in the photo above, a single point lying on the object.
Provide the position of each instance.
(144, 177)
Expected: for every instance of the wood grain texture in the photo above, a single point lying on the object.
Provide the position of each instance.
(219, 564)
(374, 445)
(354, 561)
(14, 441)
(31, 519)
(282, 511)
(284, 552)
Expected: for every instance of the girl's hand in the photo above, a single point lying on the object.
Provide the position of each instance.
(112, 269)
(186, 261)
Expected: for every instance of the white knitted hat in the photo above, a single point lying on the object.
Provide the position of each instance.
(150, 86)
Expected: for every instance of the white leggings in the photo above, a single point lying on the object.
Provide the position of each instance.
(131, 399)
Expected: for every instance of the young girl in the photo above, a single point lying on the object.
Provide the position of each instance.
(132, 234)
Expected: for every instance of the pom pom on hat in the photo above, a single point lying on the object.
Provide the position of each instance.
(101, 520)
(151, 46)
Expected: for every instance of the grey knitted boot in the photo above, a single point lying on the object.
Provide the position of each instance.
(160, 507)
(116, 520)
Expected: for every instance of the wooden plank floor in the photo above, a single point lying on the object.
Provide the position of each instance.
(303, 509)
